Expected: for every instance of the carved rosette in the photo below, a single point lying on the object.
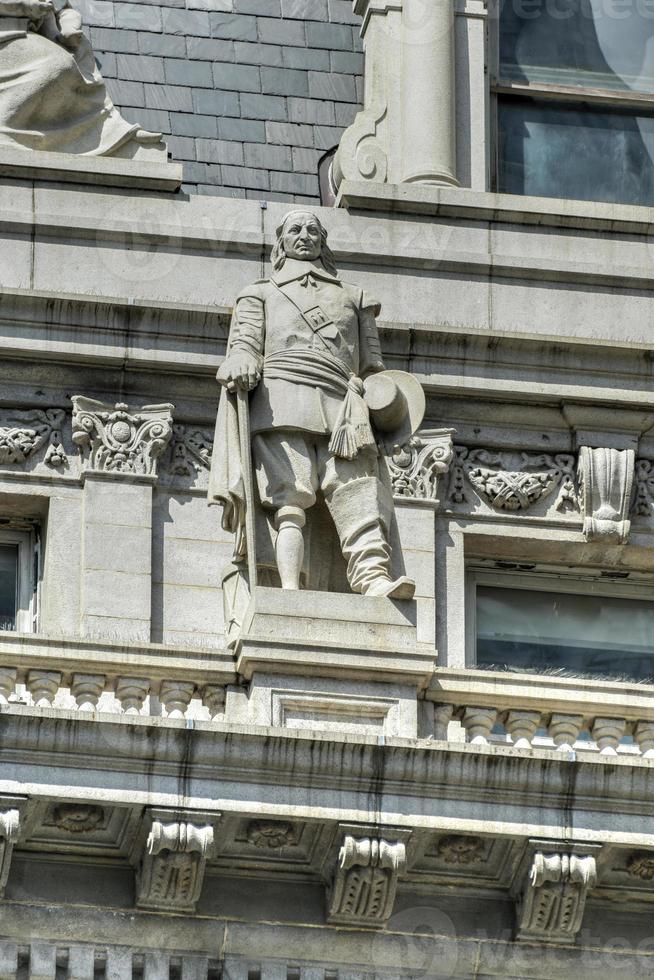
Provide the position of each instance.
(553, 899)
(365, 883)
(77, 818)
(415, 468)
(190, 450)
(117, 439)
(641, 866)
(606, 478)
(173, 866)
(271, 834)
(460, 849)
(22, 434)
(511, 488)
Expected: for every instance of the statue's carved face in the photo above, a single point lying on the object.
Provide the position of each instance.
(301, 236)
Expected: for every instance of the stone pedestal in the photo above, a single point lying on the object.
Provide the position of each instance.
(330, 661)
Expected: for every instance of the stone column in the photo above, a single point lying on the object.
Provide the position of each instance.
(428, 103)
(121, 447)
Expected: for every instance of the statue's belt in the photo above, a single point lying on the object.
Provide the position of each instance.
(320, 369)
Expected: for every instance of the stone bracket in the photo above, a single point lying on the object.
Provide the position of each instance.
(551, 888)
(606, 479)
(10, 829)
(173, 858)
(362, 889)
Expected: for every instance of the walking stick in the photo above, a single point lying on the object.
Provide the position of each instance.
(243, 408)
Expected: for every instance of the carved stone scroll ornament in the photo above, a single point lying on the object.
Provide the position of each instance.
(23, 433)
(415, 467)
(191, 450)
(507, 487)
(9, 832)
(118, 439)
(364, 886)
(172, 871)
(606, 478)
(553, 900)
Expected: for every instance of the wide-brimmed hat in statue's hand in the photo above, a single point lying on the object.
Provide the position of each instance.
(396, 403)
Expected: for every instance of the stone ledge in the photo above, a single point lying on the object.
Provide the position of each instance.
(153, 660)
(101, 171)
(332, 635)
(462, 202)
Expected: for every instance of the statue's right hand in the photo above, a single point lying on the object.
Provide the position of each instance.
(239, 370)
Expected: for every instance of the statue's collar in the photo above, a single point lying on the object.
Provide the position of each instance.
(297, 269)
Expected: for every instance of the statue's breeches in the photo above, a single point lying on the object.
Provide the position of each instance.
(292, 466)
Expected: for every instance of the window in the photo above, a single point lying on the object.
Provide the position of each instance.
(574, 89)
(19, 558)
(584, 625)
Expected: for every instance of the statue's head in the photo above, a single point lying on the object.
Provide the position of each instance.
(302, 235)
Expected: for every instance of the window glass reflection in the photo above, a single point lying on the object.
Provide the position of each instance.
(592, 43)
(550, 149)
(581, 634)
(8, 586)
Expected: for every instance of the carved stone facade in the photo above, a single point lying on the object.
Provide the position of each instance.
(365, 882)
(117, 439)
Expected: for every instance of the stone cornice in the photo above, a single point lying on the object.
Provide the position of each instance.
(306, 774)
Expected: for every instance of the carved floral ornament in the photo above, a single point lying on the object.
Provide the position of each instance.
(190, 450)
(513, 481)
(416, 466)
(118, 439)
(23, 433)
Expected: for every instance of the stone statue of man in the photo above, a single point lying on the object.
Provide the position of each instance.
(304, 342)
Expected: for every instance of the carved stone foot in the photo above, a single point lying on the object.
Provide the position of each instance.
(399, 588)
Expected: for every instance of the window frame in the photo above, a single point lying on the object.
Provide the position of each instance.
(28, 576)
(546, 578)
(572, 95)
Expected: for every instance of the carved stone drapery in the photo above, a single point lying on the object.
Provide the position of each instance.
(553, 898)
(364, 886)
(506, 487)
(9, 833)
(118, 439)
(22, 433)
(606, 478)
(172, 870)
(415, 468)
(190, 450)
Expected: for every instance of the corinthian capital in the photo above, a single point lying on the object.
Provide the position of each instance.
(120, 439)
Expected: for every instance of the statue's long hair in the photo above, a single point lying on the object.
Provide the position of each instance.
(278, 255)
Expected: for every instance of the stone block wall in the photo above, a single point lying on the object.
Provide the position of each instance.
(249, 94)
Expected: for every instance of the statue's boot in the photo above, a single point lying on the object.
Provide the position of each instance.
(357, 514)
